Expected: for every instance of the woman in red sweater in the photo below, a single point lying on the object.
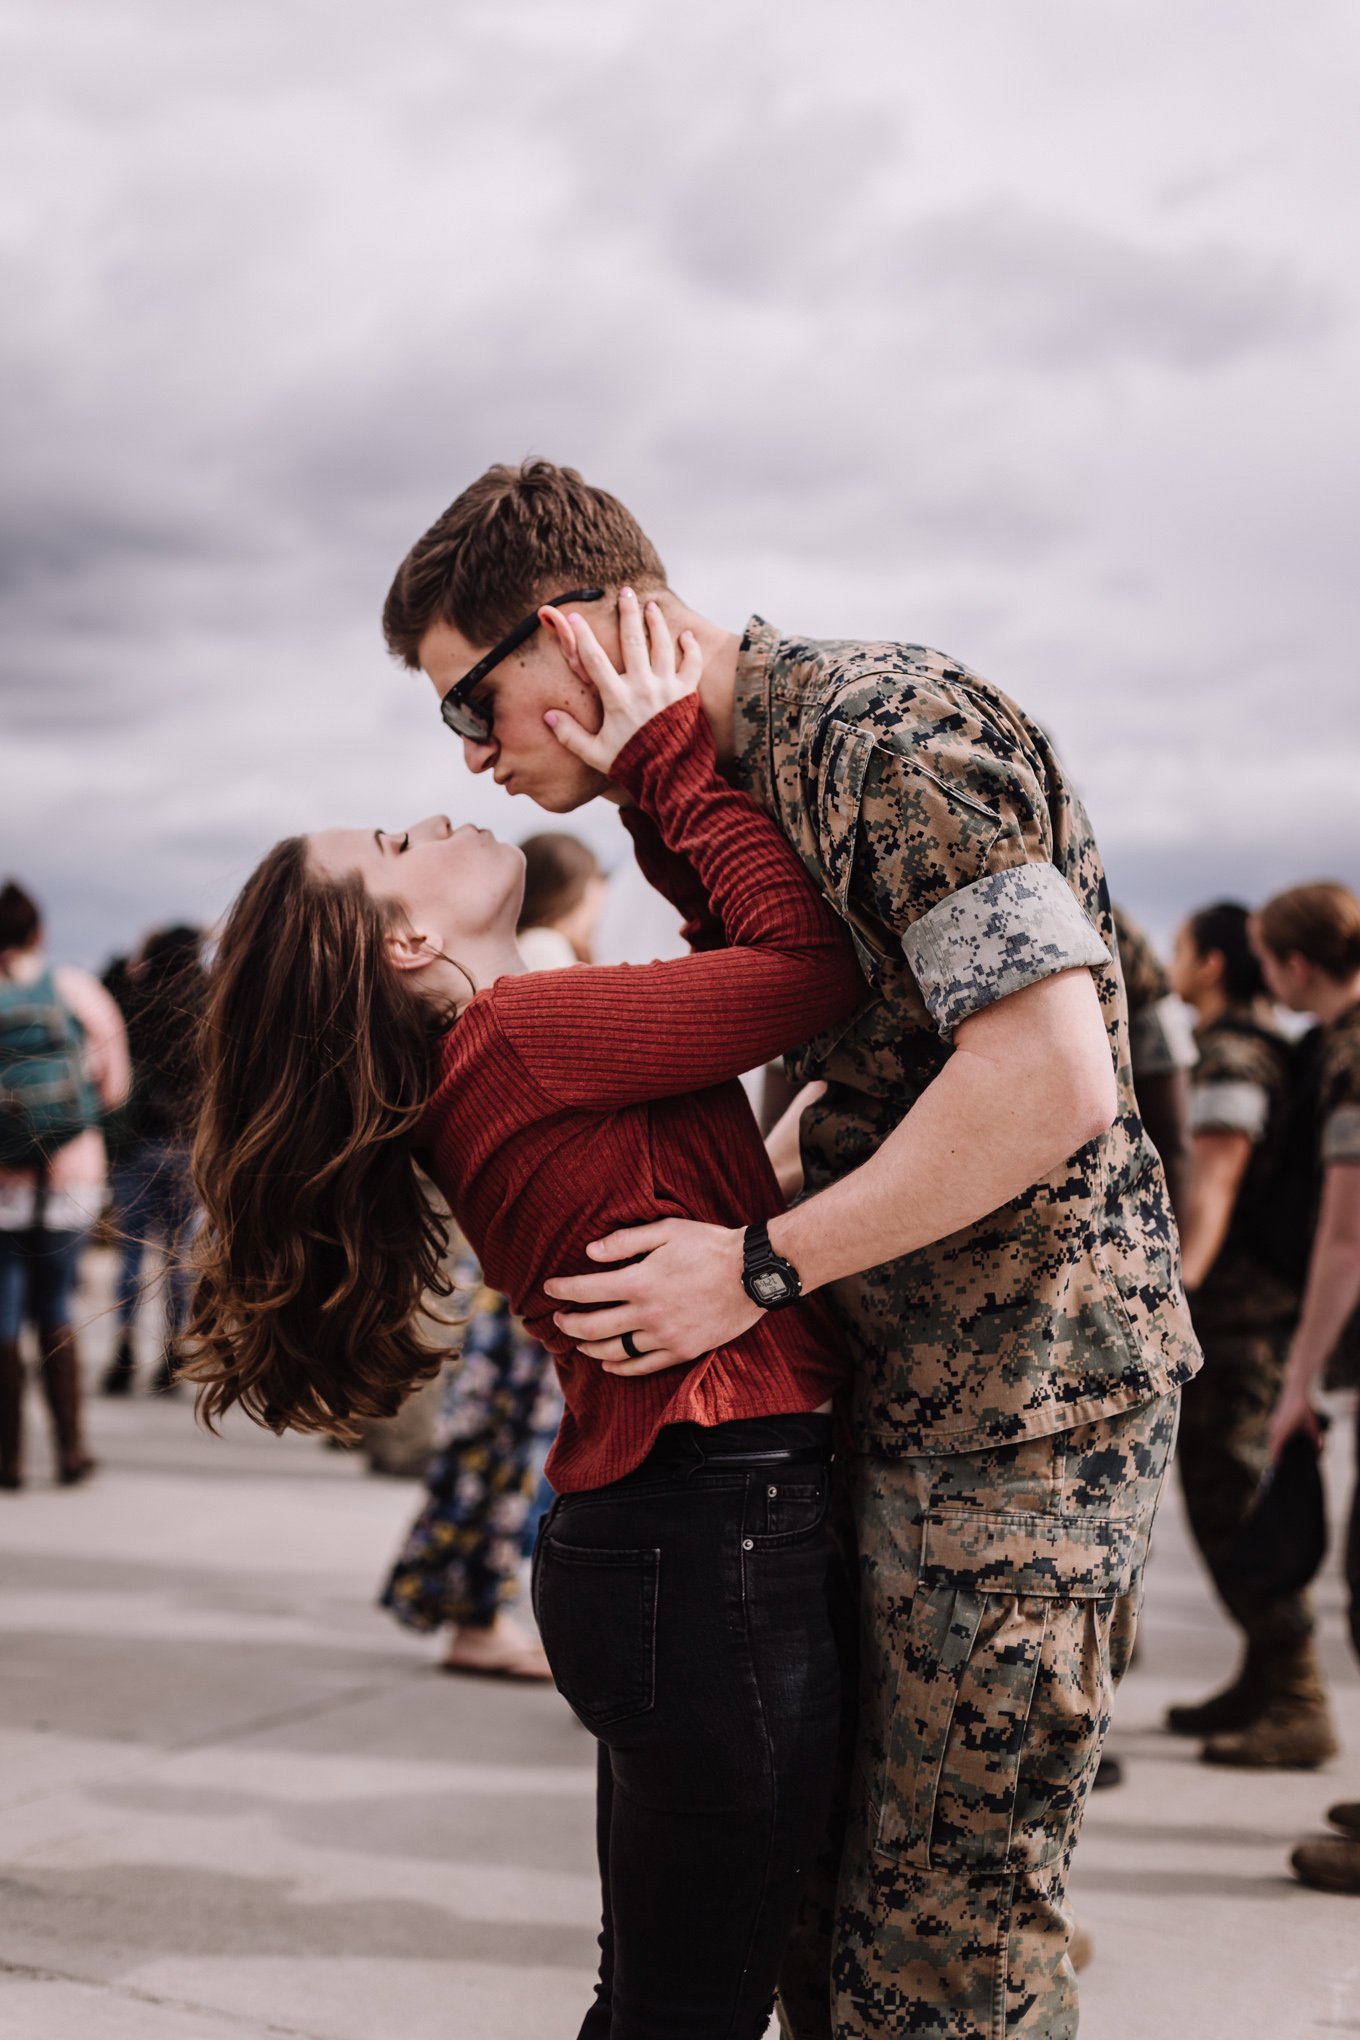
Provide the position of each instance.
(369, 1007)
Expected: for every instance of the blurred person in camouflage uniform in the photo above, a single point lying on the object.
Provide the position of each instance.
(1308, 942)
(1244, 1255)
(983, 1203)
(1161, 1055)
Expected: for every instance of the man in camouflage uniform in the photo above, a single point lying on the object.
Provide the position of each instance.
(994, 1227)
(1244, 1246)
(1308, 943)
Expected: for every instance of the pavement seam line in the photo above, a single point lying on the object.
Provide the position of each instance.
(286, 1717)
(130, 1994)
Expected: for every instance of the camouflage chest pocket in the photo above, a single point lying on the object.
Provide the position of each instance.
(1004, 1688)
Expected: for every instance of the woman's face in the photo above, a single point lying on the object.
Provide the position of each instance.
(453, 885)
(1190, 973)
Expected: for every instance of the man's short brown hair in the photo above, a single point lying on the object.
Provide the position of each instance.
(516, 537)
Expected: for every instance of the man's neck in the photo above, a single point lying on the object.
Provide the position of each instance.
(718, 681)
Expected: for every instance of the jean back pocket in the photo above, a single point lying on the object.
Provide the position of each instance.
(597, 1617)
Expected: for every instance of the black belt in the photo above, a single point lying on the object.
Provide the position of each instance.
(806, 1439)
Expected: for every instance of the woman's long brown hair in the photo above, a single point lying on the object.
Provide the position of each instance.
(318, 1241)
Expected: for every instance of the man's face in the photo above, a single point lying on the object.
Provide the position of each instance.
(522, 753)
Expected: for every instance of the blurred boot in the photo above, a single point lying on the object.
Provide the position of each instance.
(1109, 1773)
(1294, 1732)
(11, 1415)
(61, 1386)
(118, 1375)
(1330, 1865)
(1346, 1816)
(1237, 1706)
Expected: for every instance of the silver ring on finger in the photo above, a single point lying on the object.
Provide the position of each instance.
(630, 1347)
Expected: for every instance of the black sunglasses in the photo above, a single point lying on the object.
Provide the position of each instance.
(460, 713)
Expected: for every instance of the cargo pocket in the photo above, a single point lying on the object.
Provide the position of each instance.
(597, 1616)
(1003, 1690)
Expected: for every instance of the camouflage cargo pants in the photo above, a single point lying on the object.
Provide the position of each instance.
(1221, 1455)
(999, 1594)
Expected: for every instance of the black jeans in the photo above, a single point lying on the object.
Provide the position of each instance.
(688, 1615)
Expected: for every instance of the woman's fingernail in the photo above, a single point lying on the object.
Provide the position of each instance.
(550, 718)
(627, 595)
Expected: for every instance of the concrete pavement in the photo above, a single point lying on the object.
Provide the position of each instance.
(235, 1801)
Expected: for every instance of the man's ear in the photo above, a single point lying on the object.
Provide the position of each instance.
(558, 626)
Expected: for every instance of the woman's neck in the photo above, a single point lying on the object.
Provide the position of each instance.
(1331, 997)
(453, 982)
(1211, 1003)
(22, 966)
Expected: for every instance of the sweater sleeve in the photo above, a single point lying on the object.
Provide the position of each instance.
(674, 877)
(608, 1036)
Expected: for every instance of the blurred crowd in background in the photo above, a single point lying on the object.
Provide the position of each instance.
(1245, 1046)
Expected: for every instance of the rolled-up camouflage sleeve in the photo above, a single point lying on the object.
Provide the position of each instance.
(1006, 930)
(1230, 1107)
(1341, 1135)
(1339, 1091)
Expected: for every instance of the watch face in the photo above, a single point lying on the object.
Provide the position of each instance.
(771, 1285)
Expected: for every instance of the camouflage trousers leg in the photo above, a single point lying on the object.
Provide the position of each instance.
(1221, 1455)
(999, 1597)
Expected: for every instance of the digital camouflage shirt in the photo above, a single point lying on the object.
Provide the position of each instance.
(1339, 1141)
(1242, 1084)
(938, 820)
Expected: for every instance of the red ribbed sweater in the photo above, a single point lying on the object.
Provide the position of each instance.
(573, 1102)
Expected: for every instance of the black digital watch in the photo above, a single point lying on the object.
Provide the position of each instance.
(766, 1276)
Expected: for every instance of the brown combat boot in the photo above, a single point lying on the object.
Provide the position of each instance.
(61, 1386)
(1346, 1816)
(1330, 1865)
(1295, 1731)
(1237, 1706)
(11, 1415)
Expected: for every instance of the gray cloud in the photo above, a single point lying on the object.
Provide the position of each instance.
(1052, 293)
(910, 325)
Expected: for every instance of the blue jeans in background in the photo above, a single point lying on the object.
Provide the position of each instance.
(37, 1276)
(154, 1204)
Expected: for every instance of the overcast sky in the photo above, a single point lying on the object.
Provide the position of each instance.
(1023, 330)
